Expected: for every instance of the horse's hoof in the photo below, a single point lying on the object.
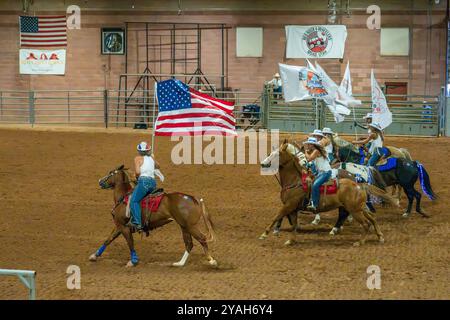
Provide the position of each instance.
(131, 264)
(276, 232)
(381, 240)
(213, 262)
(93, 257)
(263, 236)
(289, 242)
(357, 244)
(334, 231)
(406, 215)
(178, 264)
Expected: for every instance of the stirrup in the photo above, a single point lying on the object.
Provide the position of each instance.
(134, 227)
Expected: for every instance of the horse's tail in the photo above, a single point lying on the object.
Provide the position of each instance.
(377, 192)
(406, 154)
(425, 181)
(208, 222)
(376, 178)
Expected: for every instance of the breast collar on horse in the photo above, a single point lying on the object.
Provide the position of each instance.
(294, 185)
(121, 199)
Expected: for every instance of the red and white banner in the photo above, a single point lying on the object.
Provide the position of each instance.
(327, 41)
(34, 61)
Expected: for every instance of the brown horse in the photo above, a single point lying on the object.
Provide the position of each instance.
(186, 210)
(350, 197)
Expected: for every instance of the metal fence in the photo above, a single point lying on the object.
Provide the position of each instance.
(108, 108)
(412, 115)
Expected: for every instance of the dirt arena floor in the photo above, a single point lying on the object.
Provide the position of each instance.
(53, 214)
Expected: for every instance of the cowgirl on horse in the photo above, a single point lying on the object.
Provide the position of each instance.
(145, 167)
(314, 152)
(376, 139)
(328, 143)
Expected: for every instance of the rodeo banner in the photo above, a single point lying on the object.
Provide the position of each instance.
(327, 41)
(34, 61)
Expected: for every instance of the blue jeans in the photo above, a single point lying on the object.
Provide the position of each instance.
(320, 179)
(144, 186)
(331, 157)
(377, 154)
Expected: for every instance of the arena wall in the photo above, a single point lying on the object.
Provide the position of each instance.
(86, 68)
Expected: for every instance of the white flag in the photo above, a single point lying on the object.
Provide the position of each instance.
(380, 110)
(320, 41)
(346, 87)
(300, 83)
(335, 100)
(310, 66)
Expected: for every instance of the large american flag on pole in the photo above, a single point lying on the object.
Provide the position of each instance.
(43, 31)
(185, 111)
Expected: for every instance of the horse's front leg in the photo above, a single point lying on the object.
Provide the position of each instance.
(287, 208)
(128, 235)
(114, 234)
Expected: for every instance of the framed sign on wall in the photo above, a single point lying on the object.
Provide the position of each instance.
(113, 41)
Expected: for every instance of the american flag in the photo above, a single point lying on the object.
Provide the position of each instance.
(185, 111)
(43, 31)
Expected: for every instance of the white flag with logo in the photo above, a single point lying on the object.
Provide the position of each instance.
(323, 41)
(380, 111)
(300, 83)
(346, 87)
(335, 101)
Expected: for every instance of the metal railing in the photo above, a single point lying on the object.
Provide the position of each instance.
(26, 276)
(412, 115)
(109, 108)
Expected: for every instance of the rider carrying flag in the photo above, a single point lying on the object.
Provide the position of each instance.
(376, 138)
(328, 143)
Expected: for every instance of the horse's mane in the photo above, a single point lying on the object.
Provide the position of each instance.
(341, 143)
(292, 150)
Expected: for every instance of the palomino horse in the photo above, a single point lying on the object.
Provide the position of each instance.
(404, 173)
(349, 199)
(186, 210)
(368, 175)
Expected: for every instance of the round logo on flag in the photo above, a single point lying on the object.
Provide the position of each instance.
(317, 41)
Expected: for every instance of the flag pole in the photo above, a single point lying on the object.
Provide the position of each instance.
(154, 117)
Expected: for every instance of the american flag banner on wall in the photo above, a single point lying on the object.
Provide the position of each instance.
(185, 111)
(43, 31)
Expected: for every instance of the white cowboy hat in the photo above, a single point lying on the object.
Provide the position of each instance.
(327, 130)
(368, 116)
(143, 147)
(317, 132)
(312, 140)
(276, 75)
(376, 126)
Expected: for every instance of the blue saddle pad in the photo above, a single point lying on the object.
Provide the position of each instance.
(390, 164)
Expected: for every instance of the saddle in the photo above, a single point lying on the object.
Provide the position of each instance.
(388, 164)
(329, 187)
(150, 203)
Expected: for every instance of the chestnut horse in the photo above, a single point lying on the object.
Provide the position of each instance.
(186, 210)
(349, 199)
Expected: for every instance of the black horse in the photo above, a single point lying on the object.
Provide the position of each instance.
(403, 172)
